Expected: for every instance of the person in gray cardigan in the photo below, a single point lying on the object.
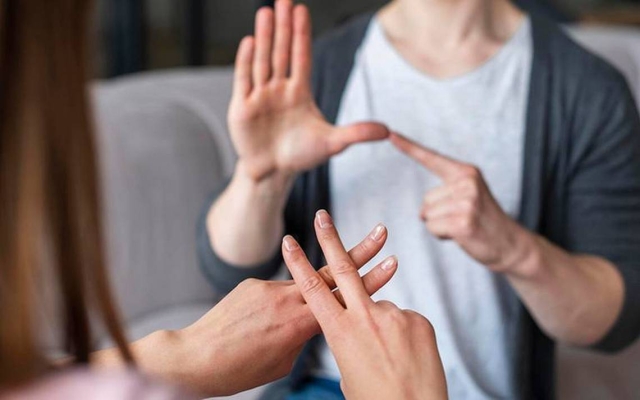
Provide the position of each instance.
(505, 158)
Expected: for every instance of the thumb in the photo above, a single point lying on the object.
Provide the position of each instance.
(345, 136)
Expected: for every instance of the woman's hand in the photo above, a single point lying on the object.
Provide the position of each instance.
(382, 352)
(275, 124)
(251, 337)
(464, 210)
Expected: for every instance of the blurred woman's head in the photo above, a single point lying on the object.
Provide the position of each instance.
(50, 223)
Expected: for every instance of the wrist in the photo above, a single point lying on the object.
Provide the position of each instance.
(274, 180)
(276, 185)
(521, 257)
(161, 354)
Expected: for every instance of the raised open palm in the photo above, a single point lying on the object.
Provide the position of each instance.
(275, 124)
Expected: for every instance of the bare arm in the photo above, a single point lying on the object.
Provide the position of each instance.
(246, 223)
(574, 298)
(219, 354)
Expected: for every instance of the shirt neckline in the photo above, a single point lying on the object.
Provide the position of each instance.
(389, 51)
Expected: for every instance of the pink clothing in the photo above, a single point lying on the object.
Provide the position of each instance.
(90, 385)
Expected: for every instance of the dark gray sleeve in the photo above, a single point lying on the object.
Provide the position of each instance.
(222, 275)
(603, 194)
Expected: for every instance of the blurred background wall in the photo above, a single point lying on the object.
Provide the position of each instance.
(151, 34)
(139, 35)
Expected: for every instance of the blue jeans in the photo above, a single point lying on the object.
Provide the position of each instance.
(318, 389)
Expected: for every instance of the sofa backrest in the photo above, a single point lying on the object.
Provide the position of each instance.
(164, 147)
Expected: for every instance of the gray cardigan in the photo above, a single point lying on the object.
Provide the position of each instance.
(581, 179)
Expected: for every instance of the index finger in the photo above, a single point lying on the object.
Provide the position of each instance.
(341, 265)
(323, 304)
(440, 165)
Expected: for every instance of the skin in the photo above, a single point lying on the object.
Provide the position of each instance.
(448, 38)
(383, 352)
(251, 337)
(277, 131)
(574, 298)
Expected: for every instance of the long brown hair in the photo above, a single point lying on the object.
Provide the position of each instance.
(50, 221)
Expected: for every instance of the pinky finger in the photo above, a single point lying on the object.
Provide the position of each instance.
(244, 61)
(375, 279)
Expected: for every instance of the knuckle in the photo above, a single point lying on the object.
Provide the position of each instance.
(367, 246)
(473, 188)
(399, 318)
(342, 267)
(326, 236)
(385, 304)
(427, 328)
(312, 285)
(325, 274)
(472, 172)
(475, 172)
(422, 323)
(467, 226)
(467, 206)
(250, 283)
(295, 256)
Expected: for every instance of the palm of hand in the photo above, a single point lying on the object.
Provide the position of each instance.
(279, 128)
(275, 124)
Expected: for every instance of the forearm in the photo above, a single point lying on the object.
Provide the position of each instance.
(575, 299)
(246, 223)
(161, 355)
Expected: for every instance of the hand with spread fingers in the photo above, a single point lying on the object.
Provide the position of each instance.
(463, 208)
(382, 352)
(275, 124)
(252, 336)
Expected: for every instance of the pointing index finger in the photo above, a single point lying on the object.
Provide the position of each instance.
(435, 162)
(340, 263)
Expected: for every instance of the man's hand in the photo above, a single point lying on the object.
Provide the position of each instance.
(464, 210)
(574, 298)
(275, 125)
(382, 352)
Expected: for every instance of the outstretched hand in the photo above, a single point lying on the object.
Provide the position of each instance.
(382, 352)
(275, 124)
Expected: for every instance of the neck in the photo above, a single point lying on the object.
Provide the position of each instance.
(450, 22)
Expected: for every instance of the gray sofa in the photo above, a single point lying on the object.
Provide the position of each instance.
(164, 146)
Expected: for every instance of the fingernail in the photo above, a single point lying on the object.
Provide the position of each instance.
(389, 263)
(324, 219)
(290, 243)
(377, 233)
